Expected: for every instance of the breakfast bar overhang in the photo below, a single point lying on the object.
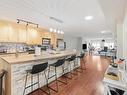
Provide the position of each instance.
(16, 67)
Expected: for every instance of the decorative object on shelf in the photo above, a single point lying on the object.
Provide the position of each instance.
(120, 61)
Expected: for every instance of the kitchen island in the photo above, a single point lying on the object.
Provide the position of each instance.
(17, 66)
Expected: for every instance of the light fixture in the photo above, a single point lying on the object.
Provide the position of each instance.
(88, 18)
(27, 22)
(18, 21)
(51, 30)
(37, 25)
(103, 32)
(62, 32)
(56, 31)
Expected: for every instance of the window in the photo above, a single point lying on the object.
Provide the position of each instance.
(110, 45)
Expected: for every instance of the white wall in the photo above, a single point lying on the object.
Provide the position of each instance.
(120, 41)
(71, 42)
(76, 42)
(125, 37)
(79, 44)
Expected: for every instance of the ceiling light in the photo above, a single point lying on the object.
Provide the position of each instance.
(88, 17)
(55, 30)
(62, 32)
(58, 31)
(103, 32)
(51, 30)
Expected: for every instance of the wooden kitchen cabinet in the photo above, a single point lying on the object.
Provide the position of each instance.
(33, 36)
(3, 32)
(53, 39)
(22, 35)
(12, 34)
(46, 34)
(8, 32)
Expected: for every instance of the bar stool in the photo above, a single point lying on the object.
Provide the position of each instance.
(2, 73)
(36, 70)
(81, 57)
(59, 63)
(72, 60)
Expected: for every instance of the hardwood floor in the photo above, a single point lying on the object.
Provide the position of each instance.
(87, 83)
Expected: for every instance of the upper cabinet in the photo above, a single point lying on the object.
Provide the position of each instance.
(54, 39)
(8, 33)
(13, 32)
(33, 36)
(22, 35)
(60, 36)
(3, 32)
(46, 34)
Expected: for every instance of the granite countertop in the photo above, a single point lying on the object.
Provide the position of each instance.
(31, 57)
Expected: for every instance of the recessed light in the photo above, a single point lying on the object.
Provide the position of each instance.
(103, 32)
(88, 17)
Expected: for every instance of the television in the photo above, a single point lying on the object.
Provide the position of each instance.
(84, 46)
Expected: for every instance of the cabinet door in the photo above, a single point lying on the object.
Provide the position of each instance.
(53, 39)
(12, 34)
(4, 32)
(47, 34)
(39, 37)
(32, 36)
(22, 35)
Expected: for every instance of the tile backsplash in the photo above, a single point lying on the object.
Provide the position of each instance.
(12, 47)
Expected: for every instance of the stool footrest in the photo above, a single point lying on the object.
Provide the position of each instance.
(62, 81)
(68, 77)
(31, 85)
(52, 89)
(65, 75)
(73, 73)
(51, 76)
(45, 91)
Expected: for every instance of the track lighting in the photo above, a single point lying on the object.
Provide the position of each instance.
(17, 21)
(37, 25)
(27, 22)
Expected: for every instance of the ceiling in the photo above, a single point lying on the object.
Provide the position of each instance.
(71, 12)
